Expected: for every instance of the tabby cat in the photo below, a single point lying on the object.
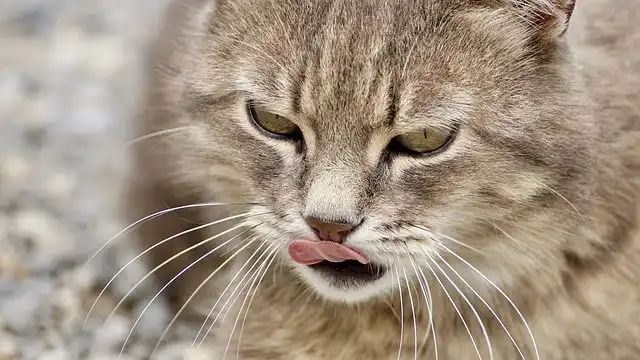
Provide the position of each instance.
(397, 179)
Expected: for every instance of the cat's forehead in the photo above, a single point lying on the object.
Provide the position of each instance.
(365, 64)
(370, 64)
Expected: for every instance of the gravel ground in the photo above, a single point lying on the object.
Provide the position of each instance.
(69, 78)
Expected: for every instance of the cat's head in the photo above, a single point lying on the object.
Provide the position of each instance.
(416, 126)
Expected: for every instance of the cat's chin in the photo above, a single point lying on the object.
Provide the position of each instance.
(345, 282)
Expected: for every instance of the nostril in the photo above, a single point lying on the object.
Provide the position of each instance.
(330, 230)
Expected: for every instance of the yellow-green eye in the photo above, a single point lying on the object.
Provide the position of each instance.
(425, 141)
(274, 124)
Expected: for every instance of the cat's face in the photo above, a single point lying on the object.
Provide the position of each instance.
(422, 124)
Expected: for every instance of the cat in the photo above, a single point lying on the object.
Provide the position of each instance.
(400, 179)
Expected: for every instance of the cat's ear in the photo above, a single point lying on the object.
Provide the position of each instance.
(549, 17)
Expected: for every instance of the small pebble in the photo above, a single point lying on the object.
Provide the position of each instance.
(67, 305)
(57, 354)
(81, 278)
(8, 346)
(133, 273)
(185, 351)
(12, 98)
(11, 265)
(25, 304)
(203, 353)
(113, 334)
(60, 186)
(155, 319)
(15, 171)
(52, 242)
(105, 56)
(36, 115)
(109, 356)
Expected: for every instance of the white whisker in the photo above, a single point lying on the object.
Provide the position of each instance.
(157, 133)
(154, 215)
(426, 293)
(524, 321)
(473, 309)
(401, 311)
(244, 301)
(267, 56)
(413, 315)
(175, 277)
(224, 291)
(433, 236)
(255, 290)
(508, 236)
(565, 199)
(485, 304)
(194, 293)
(153, 247)
(154, 270)
(453, 303)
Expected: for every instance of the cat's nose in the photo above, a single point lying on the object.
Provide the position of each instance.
(330, 231)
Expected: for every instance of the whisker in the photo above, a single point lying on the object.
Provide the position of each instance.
(228, 307)
(572, 205)
(508, 236)
(157, 133)
(413, 315)
(473, 309)
(176, 276)
(524, 321)
(401, 311)
(453, 303)
(408, 58)
(564, 199)
(395, 313)
(255, 290)
(485, 304)
(244, 301)
(426, 293)
(267, 56)
(433, 235)
(153, 247)
(154, 270)
(224, 291)
(194, 293)
(156, 214)
(528, 230)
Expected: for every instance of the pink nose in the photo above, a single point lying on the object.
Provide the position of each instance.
(330, 231)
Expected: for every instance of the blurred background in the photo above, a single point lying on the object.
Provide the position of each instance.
(70, 76)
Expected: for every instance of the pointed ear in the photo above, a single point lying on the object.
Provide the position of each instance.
(550, 17)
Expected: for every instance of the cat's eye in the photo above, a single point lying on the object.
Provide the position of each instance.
(425, 141)
(274, 124)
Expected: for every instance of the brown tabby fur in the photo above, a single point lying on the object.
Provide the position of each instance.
(543, 178)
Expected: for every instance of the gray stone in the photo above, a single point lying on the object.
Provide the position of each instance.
(25, 304)
(113, 334)
(57, 354)
(46, 238)
(8, 346)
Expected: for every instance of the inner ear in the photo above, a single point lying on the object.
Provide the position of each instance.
(549, 17)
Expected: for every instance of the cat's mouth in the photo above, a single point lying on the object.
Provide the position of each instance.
(350, 270)
(338, 262)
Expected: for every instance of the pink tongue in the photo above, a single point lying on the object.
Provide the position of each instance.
(309, 252)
